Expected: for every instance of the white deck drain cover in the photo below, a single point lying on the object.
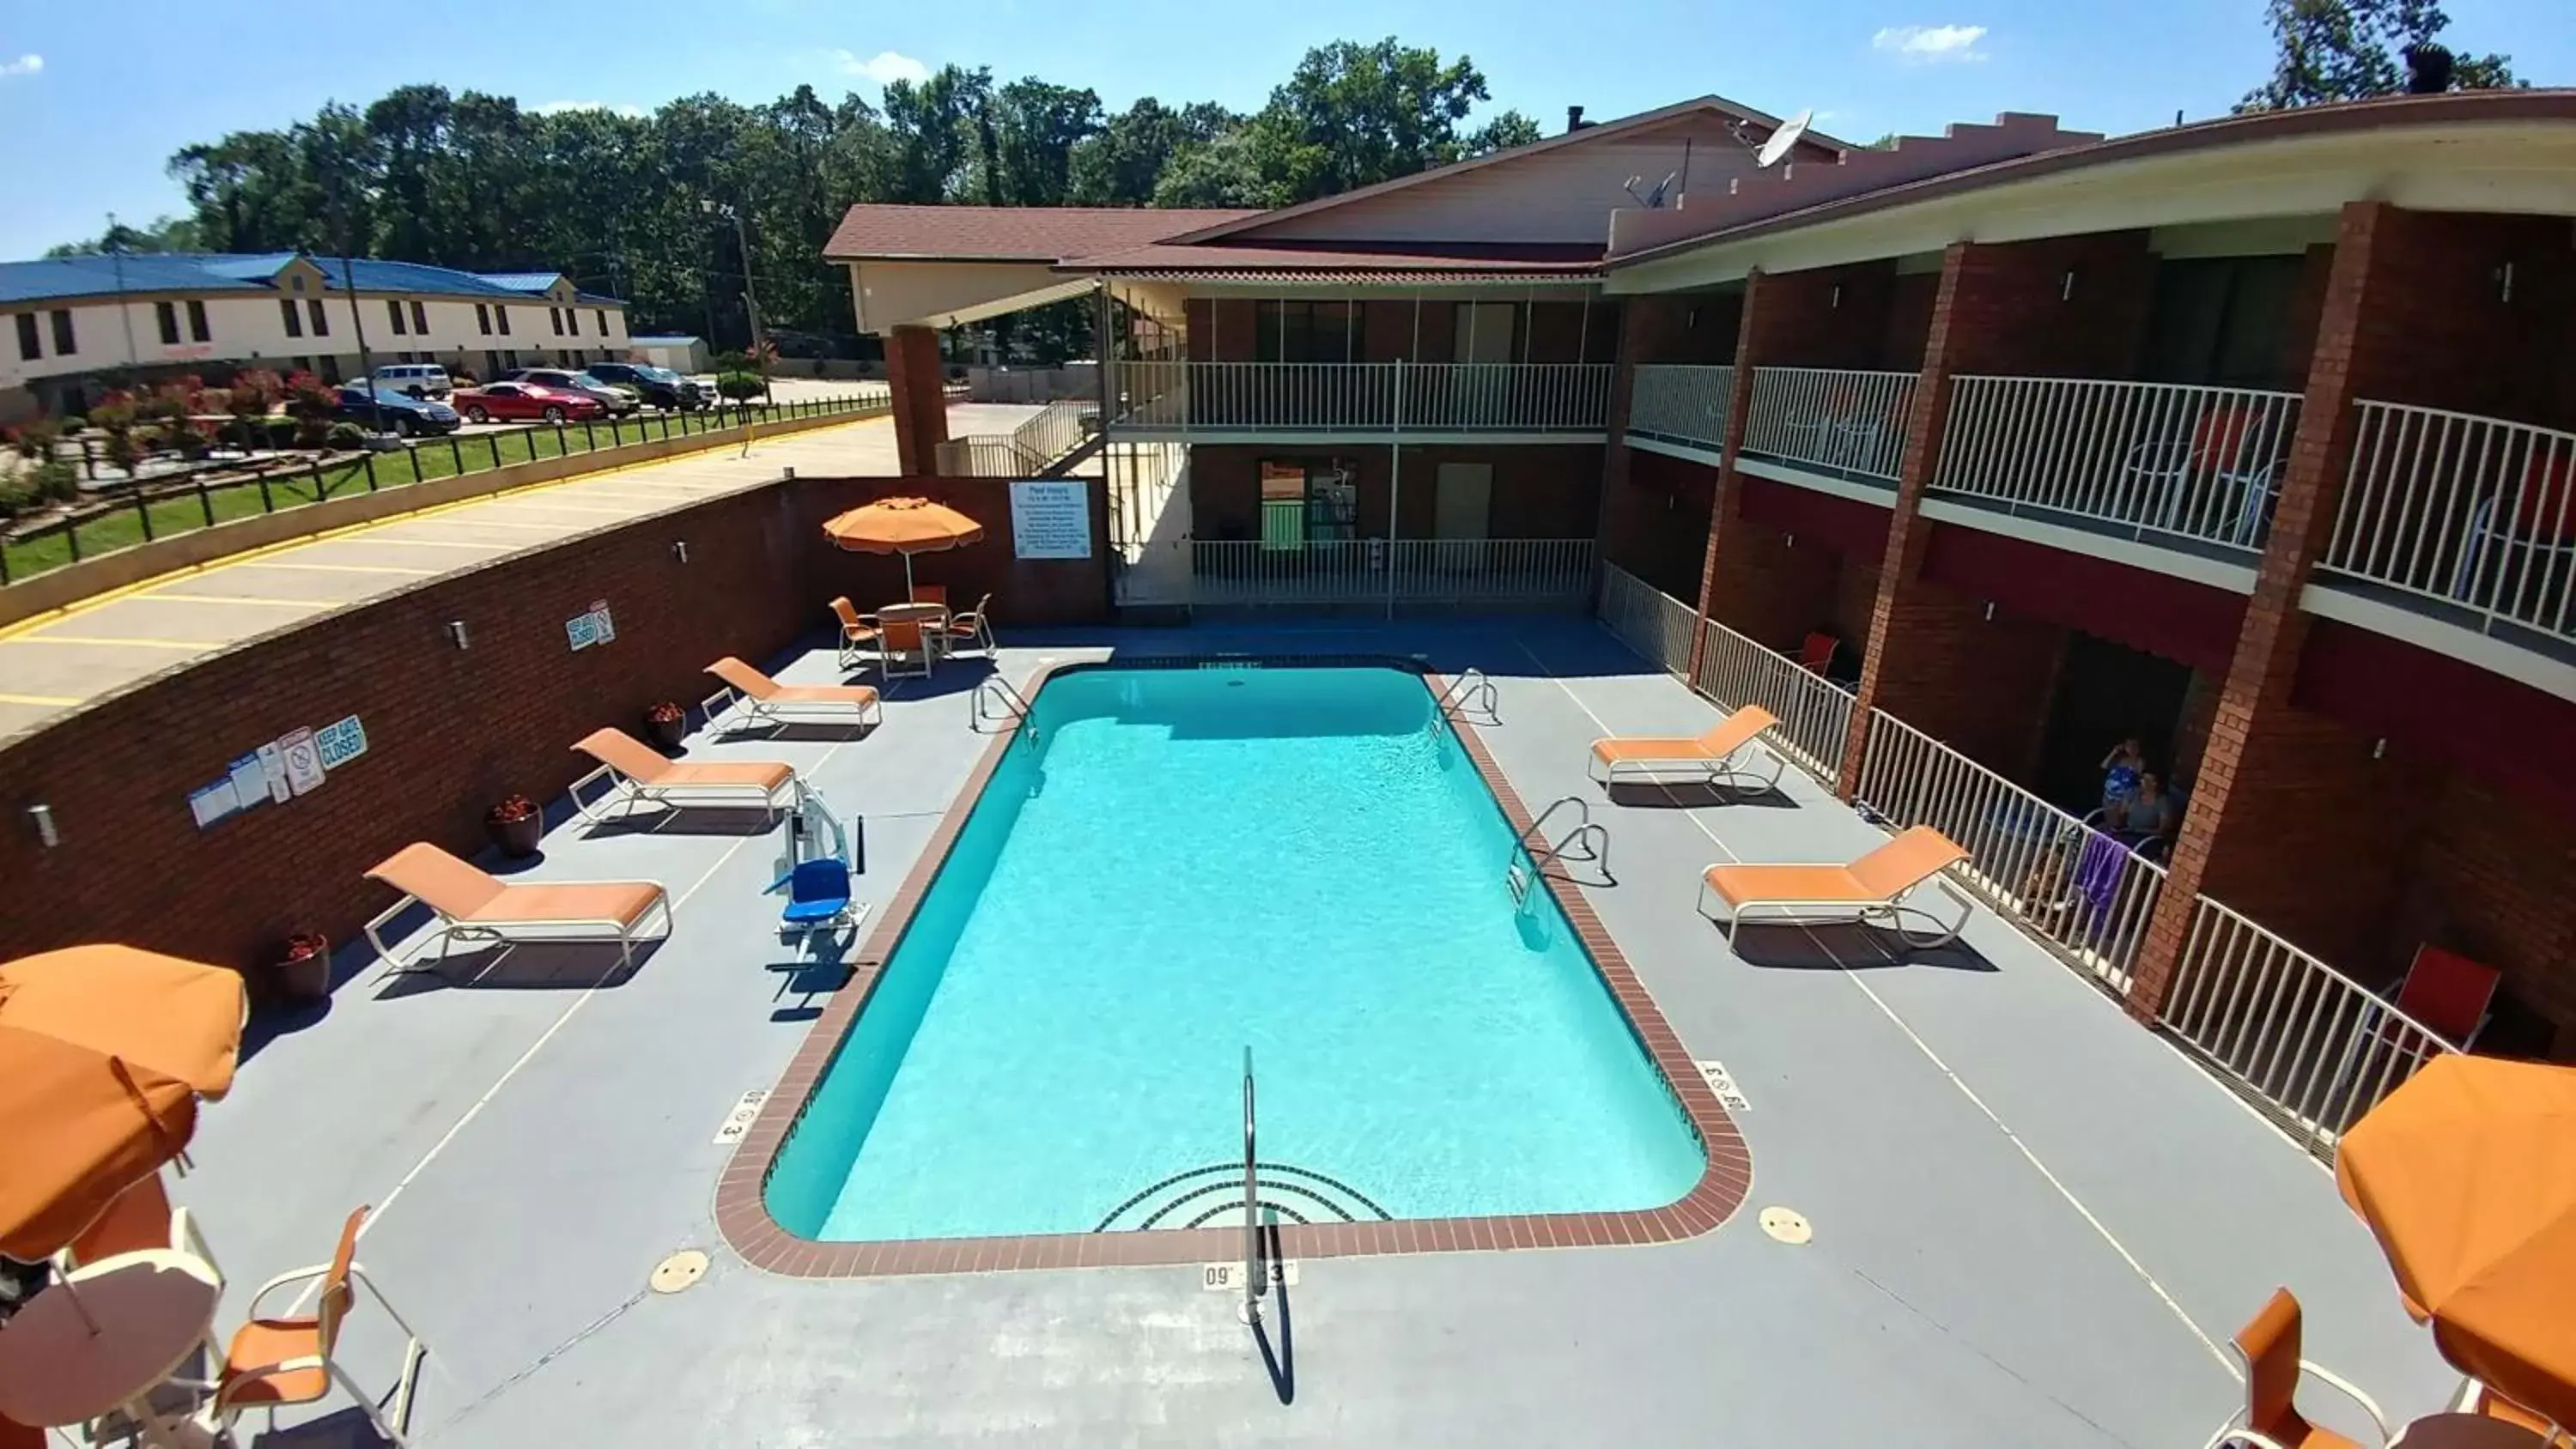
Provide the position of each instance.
(738, 1121)
(679, 1270)
(1729, 1096)
(1786, 1225)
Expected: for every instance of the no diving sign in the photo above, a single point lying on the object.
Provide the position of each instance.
(303, 760)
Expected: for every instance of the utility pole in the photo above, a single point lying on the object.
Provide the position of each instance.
(366, 363)
(750, 303)
(124, 311)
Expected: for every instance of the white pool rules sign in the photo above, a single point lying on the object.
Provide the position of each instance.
(1050, 518)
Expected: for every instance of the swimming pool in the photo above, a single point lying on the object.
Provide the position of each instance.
(1187, 862)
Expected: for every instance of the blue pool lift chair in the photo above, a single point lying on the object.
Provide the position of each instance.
(817, 878)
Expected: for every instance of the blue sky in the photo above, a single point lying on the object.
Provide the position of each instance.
(93, 102)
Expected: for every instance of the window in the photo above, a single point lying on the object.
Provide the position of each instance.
(30, 342)
(1307, 332)
(321, 320)
(331, 370)
(420, 319)
(167, 315)
(295, 283)
(603, 321)
(63, 346)
(393, 308)
(554, 315)
(491, 362)
(572, 320)
(198, 331)
(483, 319)
(501, 318)
(294, 321)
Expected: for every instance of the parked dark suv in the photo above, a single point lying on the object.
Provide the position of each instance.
(659, 386)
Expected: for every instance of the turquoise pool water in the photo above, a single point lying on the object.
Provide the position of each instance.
(1189, 862)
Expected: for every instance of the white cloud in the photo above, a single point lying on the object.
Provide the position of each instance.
(1931, 42)
(557, 108)
(885, 67)
(27, 64)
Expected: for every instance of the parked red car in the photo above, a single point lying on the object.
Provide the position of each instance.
(524, 400)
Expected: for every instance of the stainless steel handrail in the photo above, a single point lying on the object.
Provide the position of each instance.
(1007, 704)
(1252, 1275)
(1470, 690)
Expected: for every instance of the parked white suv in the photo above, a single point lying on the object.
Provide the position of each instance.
(415, 379)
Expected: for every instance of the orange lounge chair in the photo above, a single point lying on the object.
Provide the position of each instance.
(636, 773)
(295, 1360)
(1870, 889)
(2269, 1345)
(766, 700)
(1712, 756)
(472, 906)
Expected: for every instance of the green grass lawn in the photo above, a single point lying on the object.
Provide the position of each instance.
(125, 525)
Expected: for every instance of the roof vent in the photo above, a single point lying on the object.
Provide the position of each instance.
(1574, 119)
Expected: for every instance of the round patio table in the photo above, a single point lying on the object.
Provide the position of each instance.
(151, 1308)
(2464, 1431)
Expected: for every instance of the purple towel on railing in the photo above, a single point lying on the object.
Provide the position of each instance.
(2097, 872)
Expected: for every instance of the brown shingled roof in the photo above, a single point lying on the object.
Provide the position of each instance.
(871, 232)
(1355, 256)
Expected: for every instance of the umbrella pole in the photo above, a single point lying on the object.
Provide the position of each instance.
(907, 578)
(65, 1283)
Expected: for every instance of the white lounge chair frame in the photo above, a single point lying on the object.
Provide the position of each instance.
(624, 792)
(1888, 913)
(1694, 769)
(868, 713)
(2235, 1432)
(566, 931)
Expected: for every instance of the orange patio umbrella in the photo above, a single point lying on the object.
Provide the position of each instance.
(902, 525)
(2467, 1176)
(104, 1051)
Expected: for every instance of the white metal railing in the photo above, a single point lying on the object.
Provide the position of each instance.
(2075, 889)
(1055, 431)
(982, 455)
(2315, 1047)
(1653, 623)
(1681, 404)
(2154, 458)
(1814, 712)
(1835, 420)
(1368, 397)
(1370, 570)
(2476, 512)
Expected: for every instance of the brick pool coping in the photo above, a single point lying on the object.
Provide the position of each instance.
(742, 1209)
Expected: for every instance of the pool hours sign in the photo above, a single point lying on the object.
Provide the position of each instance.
(1050, 518)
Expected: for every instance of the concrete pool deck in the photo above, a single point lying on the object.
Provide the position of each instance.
(2034, 1222)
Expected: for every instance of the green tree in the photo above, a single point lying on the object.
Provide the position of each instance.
(1038, 127)
(165, 234)
(1119, 164)
(1223, 171)
(932, 130)
(1352, 115)
(2347, 50)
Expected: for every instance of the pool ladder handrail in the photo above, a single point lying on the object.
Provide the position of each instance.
(1519, 881)
(1471, 690)
(1252, 1274)
(996, 701)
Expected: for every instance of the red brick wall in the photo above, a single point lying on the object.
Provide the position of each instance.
(1829, 317)
(2014, 313)
(1770, 588)
(1656, 526)
(449, 731)
(1855, 594)
(2307, 309)
(1909, 320)
(2488, 875)
(918, 386)
(1981, 686)
(2449, 338)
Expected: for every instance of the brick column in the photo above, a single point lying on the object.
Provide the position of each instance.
(2255, 733)
(2065, 306)
(1749, 340)
(916, 379)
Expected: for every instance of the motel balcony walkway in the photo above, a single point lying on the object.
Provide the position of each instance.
(2034, 1222)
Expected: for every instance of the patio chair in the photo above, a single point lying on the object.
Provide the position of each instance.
(973, 629)
(637, 774)
(770, 702)
(1871, 889)
(2448, 993)
(294, 1360)
(2238, 448)
(472, 906)
(2476, 1398)
(1711, 757)
(858, 633)
(903, 647)
(1816, 655)
(2269, 1347)
(2543, 527)
(930, 594)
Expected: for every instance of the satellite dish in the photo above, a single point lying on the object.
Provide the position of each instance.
(1775, 149)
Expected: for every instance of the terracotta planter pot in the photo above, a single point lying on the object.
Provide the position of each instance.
(518, 838)
(304, 979)
(665, 733)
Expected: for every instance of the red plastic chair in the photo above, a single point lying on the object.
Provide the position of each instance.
(1817, 654)
(2447, 992)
